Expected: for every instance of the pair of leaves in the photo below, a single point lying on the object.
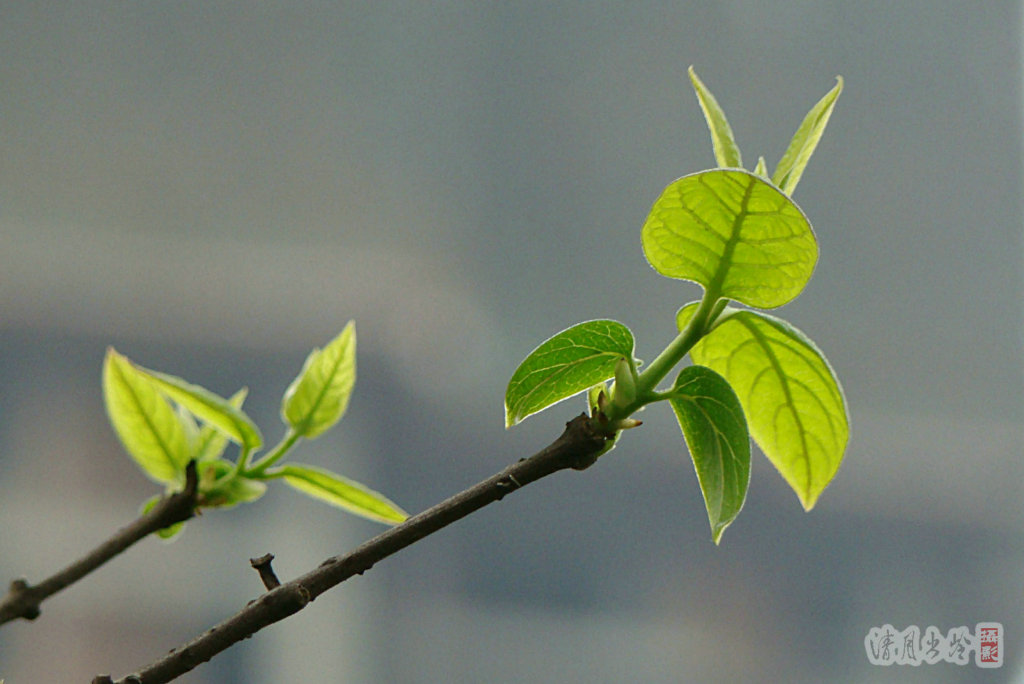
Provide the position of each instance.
(315, 400)
(586, 355)
(791, 397)
(163, 437)
(794, 160)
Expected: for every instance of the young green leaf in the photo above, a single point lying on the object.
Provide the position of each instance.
(221, 487)
(727, 152)
(793, 401)
(571, 362)
(167, 533)
(800, 149)
(733, 233)
(318, 397)
(711, 418)
(341, 492)
(148, 427)
(210, 441)
(762, 168)
(209, 407)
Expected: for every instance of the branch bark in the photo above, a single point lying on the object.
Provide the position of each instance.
(22, 599)
(577, 448)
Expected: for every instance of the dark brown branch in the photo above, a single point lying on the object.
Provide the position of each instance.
(22, 599)
(577, 448)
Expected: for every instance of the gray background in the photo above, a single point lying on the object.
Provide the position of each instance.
(215, 188)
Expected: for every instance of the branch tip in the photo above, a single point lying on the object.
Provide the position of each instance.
(267, 575)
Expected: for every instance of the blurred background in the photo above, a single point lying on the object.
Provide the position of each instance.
(215, 188)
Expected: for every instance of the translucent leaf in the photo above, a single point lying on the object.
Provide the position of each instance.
(318, 397)
(211, 442)
(341, 492)
(167, 533)
(727, 152)
(762, 168)
(733, 233)
(221, 487)
(800, 149)
(209, 407)
(715, 430)
(571, 362)
(794, 404)
(147, 426)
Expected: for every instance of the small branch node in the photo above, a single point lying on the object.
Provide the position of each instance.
(262, 566)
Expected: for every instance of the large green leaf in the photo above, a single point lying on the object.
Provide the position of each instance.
(800, 149)
(727, 152)
(215, 410)
(715, 430)
(341, 492)
(319, 395)
(148, 427)
(733, 233)
(793, 401)
(571, 362)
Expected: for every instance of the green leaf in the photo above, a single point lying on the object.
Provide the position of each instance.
(727, 152)
(221, 487)
(341, 492)
(318, 397)
(733, 233)
(762, 168)
(793, 401)
(167, 533)
(209, 407)
(571, 362)
(715, 430)
(800, 149)
(210, 441)
(147, 426)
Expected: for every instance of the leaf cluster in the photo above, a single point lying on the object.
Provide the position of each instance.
(165, 422)
(741, 237)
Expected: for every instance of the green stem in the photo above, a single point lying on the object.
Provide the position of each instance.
(274, 455)
(243, 461)
(647, 380)
(678, 348)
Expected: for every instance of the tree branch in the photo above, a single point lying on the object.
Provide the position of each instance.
(22, 599)
(577, 448)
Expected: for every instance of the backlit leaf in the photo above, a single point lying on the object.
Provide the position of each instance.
(148, 427)
(794, 404)
(571, 362)
(221, 487)
(318, 397)
(211, 442)
(727, 152)
(733, 233)
(715, 430)
(341, 492)
(801, 147)
(209, 407)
